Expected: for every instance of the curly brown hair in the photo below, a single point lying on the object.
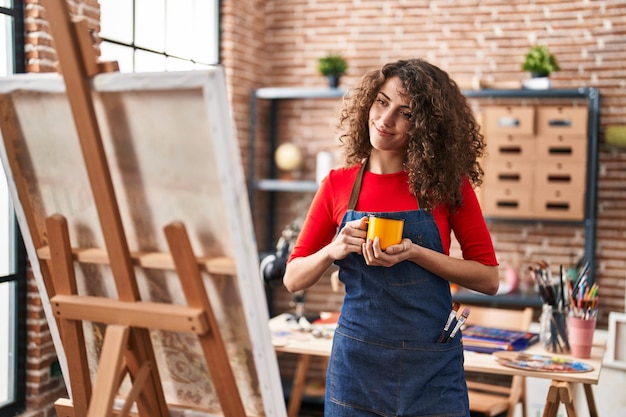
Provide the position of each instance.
(445, 141)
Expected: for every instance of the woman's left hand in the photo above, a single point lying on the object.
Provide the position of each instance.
(375, 256)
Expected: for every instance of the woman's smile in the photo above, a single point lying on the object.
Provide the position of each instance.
(389, 117)
(382, 131)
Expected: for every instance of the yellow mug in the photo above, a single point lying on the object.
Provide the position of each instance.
(389, 231)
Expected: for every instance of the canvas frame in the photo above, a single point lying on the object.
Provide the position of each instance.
(173, 155)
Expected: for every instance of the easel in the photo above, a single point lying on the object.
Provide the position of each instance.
(561, 392)
(127, 347)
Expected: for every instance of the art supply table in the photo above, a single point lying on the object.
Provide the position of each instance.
(306, 345)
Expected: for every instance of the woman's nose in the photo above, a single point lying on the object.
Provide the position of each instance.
(387, 117)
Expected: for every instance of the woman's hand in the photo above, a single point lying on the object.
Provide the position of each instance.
(466, 273)
(375, 256)
(349, 240)
(302, 273)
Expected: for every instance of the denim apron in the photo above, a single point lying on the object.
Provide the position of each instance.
(385, 360)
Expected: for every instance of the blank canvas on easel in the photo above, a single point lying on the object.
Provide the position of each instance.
(173, 156)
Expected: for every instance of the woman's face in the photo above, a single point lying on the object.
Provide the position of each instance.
(389, 117)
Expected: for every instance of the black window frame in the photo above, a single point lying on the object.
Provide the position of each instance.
(19, 277)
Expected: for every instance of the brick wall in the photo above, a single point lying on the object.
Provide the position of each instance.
(242, 56)
(277, 42)
(468, 38)
(40, 53)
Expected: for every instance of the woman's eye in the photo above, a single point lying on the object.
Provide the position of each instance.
(407, 115)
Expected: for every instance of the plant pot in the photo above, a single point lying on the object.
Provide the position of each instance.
(333, 80)
(537, 83)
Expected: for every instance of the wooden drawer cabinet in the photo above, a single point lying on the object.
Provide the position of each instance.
(506, 202)
(508, 173)
(559, 190)
(510, 120)
(558, 203)
(565, 121)
(562, 148)
(535, 165)
(510, 147)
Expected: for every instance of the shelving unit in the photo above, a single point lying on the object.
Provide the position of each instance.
(592, 98)
(272, 185)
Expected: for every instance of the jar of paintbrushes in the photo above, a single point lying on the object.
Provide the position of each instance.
(583, 311)
(553, 321)
(553, 331)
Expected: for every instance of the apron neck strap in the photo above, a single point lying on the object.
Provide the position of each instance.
(356, 189)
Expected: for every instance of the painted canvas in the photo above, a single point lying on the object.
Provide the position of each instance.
(172, 153)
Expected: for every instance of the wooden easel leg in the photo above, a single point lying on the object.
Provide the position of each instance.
(552, 401)
(566, 397)
(151, 400)
(211, 342)
(71, 331)
(64, 408)
(78, 63)
(591, 402)
(299, 380)
(111, 357)
(138, 384)
(524, 399)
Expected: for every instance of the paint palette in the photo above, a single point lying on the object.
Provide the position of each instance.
(543, 363)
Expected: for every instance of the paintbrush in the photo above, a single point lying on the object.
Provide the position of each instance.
(451, 316)
(459, 323)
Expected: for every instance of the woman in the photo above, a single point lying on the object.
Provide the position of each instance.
(411, 145)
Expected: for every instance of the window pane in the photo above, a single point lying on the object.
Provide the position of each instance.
(7, 344)
(149, 24)
(116, 20)
(186, 29)
(198, 66)
(206, 31)
(7, 229)
(9, 380)
(122, 54)
(175, 64)
(7, 250)
(148, 61)
(6, 52)
(179, 28)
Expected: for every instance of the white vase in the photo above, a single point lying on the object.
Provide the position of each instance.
(537, 83)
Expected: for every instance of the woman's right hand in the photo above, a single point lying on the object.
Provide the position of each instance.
(303, 272)
(350, 239)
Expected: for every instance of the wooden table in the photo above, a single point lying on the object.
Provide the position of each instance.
(560, 391)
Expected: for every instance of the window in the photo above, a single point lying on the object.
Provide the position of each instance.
(160, 35)
(12, 253)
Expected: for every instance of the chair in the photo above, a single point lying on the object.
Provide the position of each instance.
(492, 395)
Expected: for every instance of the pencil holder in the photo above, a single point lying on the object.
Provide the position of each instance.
(581, 331)
(553, 333)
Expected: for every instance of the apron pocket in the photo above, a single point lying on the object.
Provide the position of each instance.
(424, 379)
(404, 274)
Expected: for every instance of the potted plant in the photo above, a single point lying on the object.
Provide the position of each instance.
(332, 66)
(540, 63)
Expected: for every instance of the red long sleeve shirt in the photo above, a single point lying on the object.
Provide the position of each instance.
(390, 192)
